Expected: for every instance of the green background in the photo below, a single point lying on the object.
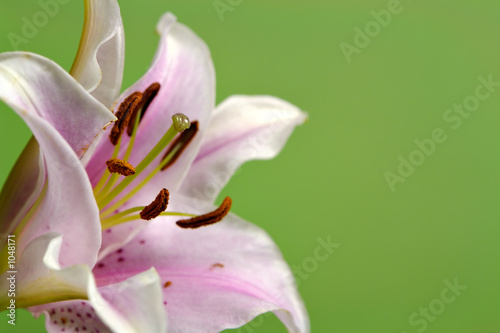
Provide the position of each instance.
(396, 247)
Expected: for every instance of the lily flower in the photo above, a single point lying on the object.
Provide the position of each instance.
(113, 213)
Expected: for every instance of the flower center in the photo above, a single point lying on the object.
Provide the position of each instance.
(110, 191)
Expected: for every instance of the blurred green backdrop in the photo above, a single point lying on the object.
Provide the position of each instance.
(370, 95)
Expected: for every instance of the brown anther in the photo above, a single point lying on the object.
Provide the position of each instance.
(147, 97)
(120, 167)
(217, 264)
(125, 111)
(167, 284)
(180, 144)
(209, 218)
(155, 208)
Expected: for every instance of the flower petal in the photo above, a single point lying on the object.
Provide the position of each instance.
(36, 85)
(67, 205)
(63, 118)
(139, 302)
(40, 279)
(242, 128)
(133, 305)
(215, 277)
(184, 69)
(98, 65)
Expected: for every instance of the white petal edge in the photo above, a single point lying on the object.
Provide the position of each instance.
(99, 63)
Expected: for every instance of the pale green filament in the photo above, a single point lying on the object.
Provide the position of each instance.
(115, 176)
(123, 218)
(179, 123)
(167, 138)
(102, 181)
(139, 186)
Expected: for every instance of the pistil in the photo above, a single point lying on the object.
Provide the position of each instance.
(179, 122)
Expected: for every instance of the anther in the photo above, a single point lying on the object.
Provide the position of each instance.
(209, 218)
(120, 167)
(158, 206)
(180, 144)
(147, 97)
(125, 111)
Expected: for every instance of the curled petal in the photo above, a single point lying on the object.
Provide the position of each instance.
(213, 278)
(98, 65)
(64, 118)
(139, 303)
(133, 305)
(36, 85)
(67, 205)
(40, 279)
(242, 128)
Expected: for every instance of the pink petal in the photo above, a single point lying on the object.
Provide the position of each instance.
(138, 302)
(63, 118)
(98, 65)
(242, 128)
(184, 69)
(31, 83)
(220, 276)
(133, 305)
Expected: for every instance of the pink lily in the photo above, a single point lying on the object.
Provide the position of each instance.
(85, 257)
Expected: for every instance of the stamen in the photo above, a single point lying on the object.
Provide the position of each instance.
(128, 215)
(179, 145)
(147, 97)
(209, 218)
(125, 111)
(167, 138)
(99, 187)
(120, 167)
(158, 206)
